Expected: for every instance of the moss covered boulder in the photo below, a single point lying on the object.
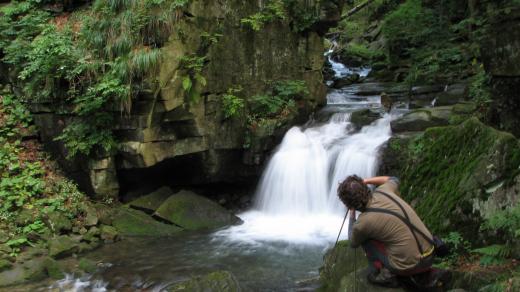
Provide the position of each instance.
(63, 246)
(345, 269)
(193, 212)
(152, 201)
(221, 281)
(456, 176)
(130, 222)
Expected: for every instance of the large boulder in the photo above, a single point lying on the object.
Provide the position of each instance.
(192, 212)
(221, 281)
(131, 222)
(456, 176)
(152, 201)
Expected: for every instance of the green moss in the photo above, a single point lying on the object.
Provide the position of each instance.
(447, 167)
(136, 223)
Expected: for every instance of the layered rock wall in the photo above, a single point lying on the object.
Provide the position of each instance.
(169, 137)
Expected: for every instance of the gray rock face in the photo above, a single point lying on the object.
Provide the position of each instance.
(193, 212)
(501, 57)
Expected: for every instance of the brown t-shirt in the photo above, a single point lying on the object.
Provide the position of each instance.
(397, 237)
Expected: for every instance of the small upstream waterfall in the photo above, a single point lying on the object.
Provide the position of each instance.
(296, 199)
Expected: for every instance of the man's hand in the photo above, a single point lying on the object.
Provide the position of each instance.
(378, 180)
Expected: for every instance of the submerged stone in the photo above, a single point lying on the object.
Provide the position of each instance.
(130, 222)
(221, 281)
(193, 212)
(153, 200)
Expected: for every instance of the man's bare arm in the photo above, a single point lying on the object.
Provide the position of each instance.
(377, 180)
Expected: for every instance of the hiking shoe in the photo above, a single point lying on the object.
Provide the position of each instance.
(440, 278)
(383, 278)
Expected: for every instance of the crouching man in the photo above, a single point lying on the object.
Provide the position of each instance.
(397, 244)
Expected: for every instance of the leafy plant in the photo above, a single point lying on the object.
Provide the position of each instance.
(274, 10)
(233, 105)
(193, 64)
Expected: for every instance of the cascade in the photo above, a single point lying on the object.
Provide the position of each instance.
(296, 198)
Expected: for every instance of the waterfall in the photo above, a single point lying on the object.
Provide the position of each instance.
(296, 198)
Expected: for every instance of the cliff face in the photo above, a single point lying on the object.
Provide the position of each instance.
(171, 138)
(501, 57)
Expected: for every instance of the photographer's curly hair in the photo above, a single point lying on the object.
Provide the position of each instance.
(354, 193)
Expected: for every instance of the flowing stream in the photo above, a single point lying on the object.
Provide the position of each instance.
(296, 217)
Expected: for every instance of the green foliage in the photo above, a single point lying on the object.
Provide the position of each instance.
(290, 89)
(479, 89)
(193, 65)
(26, 184)
(362, 51)
(233, 105)
(459, 247)
(493, 254)
(505, 226)
(409, 25)
(274, 10)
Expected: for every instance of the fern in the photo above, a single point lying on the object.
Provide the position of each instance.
(494, 254)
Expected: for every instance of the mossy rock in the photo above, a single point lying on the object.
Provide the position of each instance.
(130, 222)
(53, 269)
(58, 222)
(33, 270)
(5, 265)
(194, 212)
(87, 265)
(221, 281)
(153, 200)
(109, 233)
(364, 117)
(338, 262)
(63, 246)
(450, 172)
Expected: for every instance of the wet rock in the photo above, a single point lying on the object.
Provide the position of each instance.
(421, 119)
(153, 200)
(53, 269)
(58, 222)
(465, 108)
(109, 233)
(193, 212)
(130, 222)
(87, 265)
(63, 246)
(452, 95)
(221, 281)
(341, 82)
(364, 117)
(33, 270)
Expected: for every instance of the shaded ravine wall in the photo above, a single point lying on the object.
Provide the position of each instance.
(167, 134)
